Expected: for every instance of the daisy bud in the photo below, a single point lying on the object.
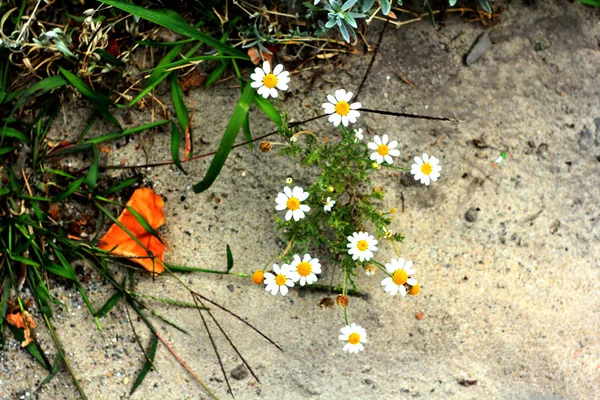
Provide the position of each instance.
(289, 180)
(370, 269)
(388, 233)
(392, 211)
(415, 290)
(331, 189)
(342, 300)
(265, 146)
(375, 165)
(258, 277)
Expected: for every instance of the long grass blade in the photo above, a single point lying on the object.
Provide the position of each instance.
(179, 25)
(235, 123)
(147, 365)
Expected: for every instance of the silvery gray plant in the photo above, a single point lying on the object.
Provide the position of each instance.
(342, 15)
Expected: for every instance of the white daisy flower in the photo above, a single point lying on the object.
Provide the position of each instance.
(305, 270)
(401, 272)
(426, 169)
(361, 246)
(383, 150)
(340, 108)
(291, 199)
(329, 204)
(268, 82)
(355, 335)
(358, 135)
(279, 281)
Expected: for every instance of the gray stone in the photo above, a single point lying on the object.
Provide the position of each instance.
(482, 44)
(597, 122)
(240, 372)
(585, 138)
(471, 214)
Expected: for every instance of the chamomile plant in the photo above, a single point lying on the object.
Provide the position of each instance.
(337, 221)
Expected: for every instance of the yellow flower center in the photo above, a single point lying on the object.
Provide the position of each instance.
(400, 277)
(342, 108)
(280, 280)
(270, 81)
(362, 245)
(304, 268)
(293, 203)
(354, 338)
(383, 149)
(415, 290)
(258, 277)
(426, 168)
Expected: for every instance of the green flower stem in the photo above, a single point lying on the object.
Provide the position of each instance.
(381, 267)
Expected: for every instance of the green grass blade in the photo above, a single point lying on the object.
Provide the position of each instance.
(147, 365)
(92, 176)
(13, 133)
(32, 348)
(268, 109)
(162, 65)
(121, 185)
(175, 143)
(110, 303)
(216, 73)
(4, 150)
(43, 86)
(229, 259)
(175, 24)
(99, 100)
(58, 362)
(235, 123)
(70, 190)
(180, 110)
(594, 3)
(247, 132)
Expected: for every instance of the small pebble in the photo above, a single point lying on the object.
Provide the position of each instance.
(239, 372)
(471, 214)
(126, 380)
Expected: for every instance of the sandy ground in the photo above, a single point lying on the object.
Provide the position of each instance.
(510, 296)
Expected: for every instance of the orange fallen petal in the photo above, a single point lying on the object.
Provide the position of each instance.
(17, 320)
(150, 206)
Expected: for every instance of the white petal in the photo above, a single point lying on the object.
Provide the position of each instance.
(345, 120)
(340, 95)
(284, 290)
(274, 93)
(393, 144)
(402, 290)
(259, 73)
(336, 119)
(411, 281)
(304, 208)
(263, 91)
(355, 106)
(256, 84)
(332, 100)
(328, 108)
(277, 70)
(425, 157)
(386, 281)
(418, 161)
(288, 215)
(274, 290)
(282, 86)
(384, 138)
(377, 139)
(267, 67)
(349, 96)
(288, 192)
(394, 152)
(280, 206)
(372, 146)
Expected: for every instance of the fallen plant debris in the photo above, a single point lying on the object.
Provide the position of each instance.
(133, 235)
